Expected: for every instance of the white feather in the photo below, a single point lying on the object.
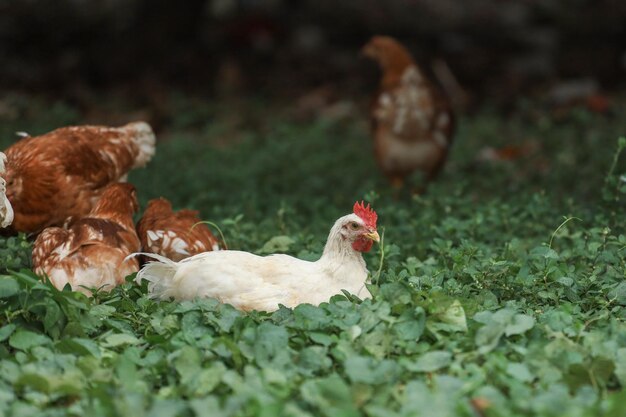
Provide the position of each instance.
(152, 237)
(143, 136)
(180, 246)
(6, 210)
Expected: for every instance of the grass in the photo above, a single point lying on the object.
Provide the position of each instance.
(502, 291)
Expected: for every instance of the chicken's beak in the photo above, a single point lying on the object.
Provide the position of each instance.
(372, 236)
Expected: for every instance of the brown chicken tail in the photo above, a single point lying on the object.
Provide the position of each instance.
(142, 135)
(6, 210)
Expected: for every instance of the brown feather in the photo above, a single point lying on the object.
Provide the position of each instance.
(165, 232)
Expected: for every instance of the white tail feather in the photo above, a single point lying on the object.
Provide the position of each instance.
(6, 210)
(160, 275)
(144, 138)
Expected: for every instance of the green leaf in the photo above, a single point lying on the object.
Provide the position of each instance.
(313, 359)
(8, 286)
(167, 408)
(120, 339)
(330, 396)
(519, 371)
(321, 338)
(308, 317)
(208, 379)
(520, 323)
(488, 336)
(270, 341)
(358, 369)
(431, 361)
(208, 406)
(619, 293)
(566, 281)
(24, 340)
(396, 293)
(620, 366)
(369, 370)
(544, 252)
(454, 317)
(503, 316)
(35, 381)
(411, 324)
(53, 317)
(502, 322)
(6, 331)
(277, 244)
(187, 363)
(101, 311)
(79, 347)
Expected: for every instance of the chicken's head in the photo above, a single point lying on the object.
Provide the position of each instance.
(359, 228)
(387, 51)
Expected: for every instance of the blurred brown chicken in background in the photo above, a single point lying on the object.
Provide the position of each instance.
(412, 120)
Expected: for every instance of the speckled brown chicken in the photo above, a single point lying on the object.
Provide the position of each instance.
(412, 119)
(172, 234)
(61, 174)
(91, 252)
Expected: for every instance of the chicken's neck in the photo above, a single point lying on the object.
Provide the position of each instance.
(394, 68)
(341, 259)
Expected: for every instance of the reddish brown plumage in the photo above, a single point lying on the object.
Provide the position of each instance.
(412, 119)
(172, 234)
(91, 251)
(61, 174)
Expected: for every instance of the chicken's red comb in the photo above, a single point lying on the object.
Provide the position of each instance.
(368, 215)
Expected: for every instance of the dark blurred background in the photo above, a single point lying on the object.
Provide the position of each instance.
(495, 50)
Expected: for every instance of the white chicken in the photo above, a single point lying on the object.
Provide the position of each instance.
(251, 282)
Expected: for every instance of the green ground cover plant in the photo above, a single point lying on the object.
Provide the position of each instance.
(500, 292)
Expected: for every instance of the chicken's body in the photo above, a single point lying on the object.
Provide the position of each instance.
(251, 282)
(412, 119)
(175, 235)
(61, 174)
(92, 251)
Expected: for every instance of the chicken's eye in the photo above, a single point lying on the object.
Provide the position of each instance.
(354, 226)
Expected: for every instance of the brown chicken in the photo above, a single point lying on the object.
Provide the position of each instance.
(61, 174)
(172, 234)
(412, 119)
(91, 252)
